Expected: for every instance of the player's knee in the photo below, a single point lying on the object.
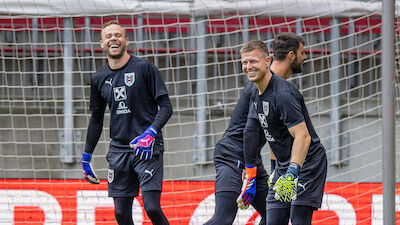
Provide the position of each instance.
(301, 215)
(122, 215)
(276, 216)
(153, 210)
(300, 222)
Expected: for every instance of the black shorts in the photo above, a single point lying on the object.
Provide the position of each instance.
(126, 173)
(310, 188)
(230, 177)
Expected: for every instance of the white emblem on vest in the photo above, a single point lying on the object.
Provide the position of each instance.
(266, 108)
(129, 79)
(110, 176)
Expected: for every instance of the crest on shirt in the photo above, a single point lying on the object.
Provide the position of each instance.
(110, 176)
(129, 79)
(266, 108)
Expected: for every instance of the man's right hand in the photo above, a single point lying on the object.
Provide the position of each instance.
(88, 170)
(249, 188)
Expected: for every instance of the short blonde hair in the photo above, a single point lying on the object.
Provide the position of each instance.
(113, 22)
(253, 45)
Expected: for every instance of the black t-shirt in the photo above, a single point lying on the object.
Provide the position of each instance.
(130, 93)
(280, 107)
(232, 141)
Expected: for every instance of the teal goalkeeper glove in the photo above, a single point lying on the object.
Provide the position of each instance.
(286, 186)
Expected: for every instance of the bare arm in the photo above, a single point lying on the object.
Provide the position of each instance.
(301, 142)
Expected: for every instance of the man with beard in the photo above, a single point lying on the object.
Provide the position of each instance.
(140, 107)
(297, 183)
(284, 65)
(289, 54)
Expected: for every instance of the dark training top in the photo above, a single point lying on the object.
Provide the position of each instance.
(230, 147)
(133, 94)
(280, 107)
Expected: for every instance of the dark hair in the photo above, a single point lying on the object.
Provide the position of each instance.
(253, 45)
(284, 43)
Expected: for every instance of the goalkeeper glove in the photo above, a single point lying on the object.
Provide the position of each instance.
(248, 189)
(143, 144)
(286, 186)
(271, 176)
(88, 170)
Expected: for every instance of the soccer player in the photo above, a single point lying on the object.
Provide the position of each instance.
(283, 66)
(297, 184)
(139, 105)
(229, 165)
(289, 54)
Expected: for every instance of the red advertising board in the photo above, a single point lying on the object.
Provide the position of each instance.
(64, 202)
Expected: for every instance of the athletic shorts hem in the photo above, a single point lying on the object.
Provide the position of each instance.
(280, 206)
(227, 190)
(151, 189)
(122, 195)
(316, 205)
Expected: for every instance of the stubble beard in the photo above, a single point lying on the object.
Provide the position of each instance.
(118, 56)
(296, 66)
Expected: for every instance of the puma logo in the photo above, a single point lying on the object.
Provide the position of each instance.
(109, 82)
(149, 172)
(146, 141)
(302, 185)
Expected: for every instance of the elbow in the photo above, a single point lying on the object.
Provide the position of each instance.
(170, 110)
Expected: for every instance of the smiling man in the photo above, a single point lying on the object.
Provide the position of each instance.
(140, 107)
(296, 185)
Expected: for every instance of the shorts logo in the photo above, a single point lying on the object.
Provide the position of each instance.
(302, 185)
(110, 176)
(120, 93)
(149, 172)
(266, 108)
(129, 79)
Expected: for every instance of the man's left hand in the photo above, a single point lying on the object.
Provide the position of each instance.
(286, 186)
(143, 144)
